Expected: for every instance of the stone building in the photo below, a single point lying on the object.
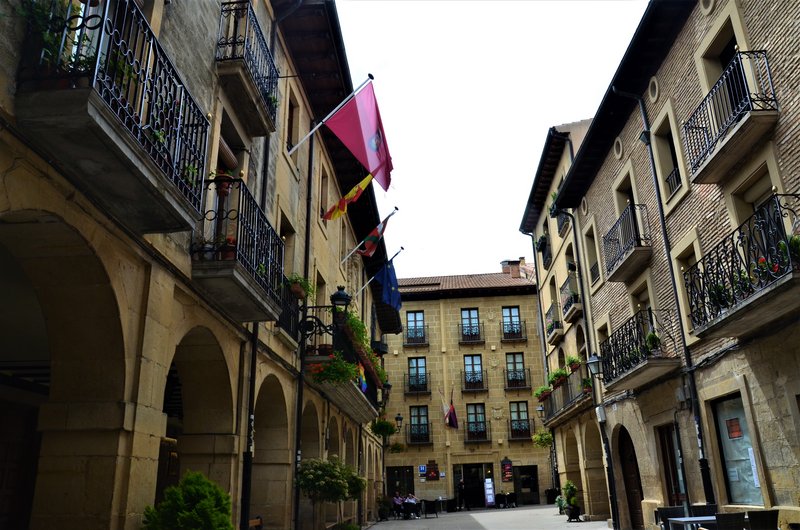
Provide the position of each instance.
(685, 196)
(469, 339)
(150, 214)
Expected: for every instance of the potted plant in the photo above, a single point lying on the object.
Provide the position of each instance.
(652, 341)
(557, 377)
(573, 362)
(586, 385)
(382, 427)
(543, 439)
(222, 179)
(195, 502)
(228, 250)
(299, 286)
(718, 295)
(572, 509)
(396, 447)
(561, 502)
(334, 370)
(543, 392)
(328, 481)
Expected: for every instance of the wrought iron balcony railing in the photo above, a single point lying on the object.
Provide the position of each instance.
(744, 86)
(563, 223)
(470, 333)
(474, 381)
(476, 431)
(517, 379)
(416, 336)
(646, 335)
(631, 230)
(673, 182)
(419, 434)
(289, 319)
(547, 253)
(235, 228)
(110, 47)
(565, 395)
(594, 272)
(513, 331)
(241, 39)
(756, 255)
(417, 383)
(519, 429)
(552, 321)
(570, 298)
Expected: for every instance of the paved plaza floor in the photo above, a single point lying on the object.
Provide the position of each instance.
(522, 518)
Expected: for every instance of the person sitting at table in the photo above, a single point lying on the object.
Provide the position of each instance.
(412, 506)
(397, 504)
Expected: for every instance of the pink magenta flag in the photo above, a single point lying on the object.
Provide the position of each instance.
(358, 125)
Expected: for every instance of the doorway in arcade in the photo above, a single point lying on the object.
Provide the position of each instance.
(474, 476)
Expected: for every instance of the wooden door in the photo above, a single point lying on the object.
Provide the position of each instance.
(633, 483)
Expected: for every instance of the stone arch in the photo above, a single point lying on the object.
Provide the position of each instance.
(272, 458)
(351, 459)
(630, 496)
(596, 495)
(199, 406)
(334, 439)
(61, 327)
(572, 462)
(310, 447)
(580, 342)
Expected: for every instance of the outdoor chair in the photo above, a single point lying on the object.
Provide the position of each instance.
(512, 500)
(730, 521)
(763, 519)
(667, 512)
(698, 510)
(430, 508)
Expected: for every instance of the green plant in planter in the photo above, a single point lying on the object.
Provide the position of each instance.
(328, 480)
(572, 508)
(542, 439)
(557, 377)
(335, 371)
(383, 427)
(652, 341)
(195, 502)
(719, 296)
(794, 249)
(561, 502)
(573, 362)
(397, 447)
(586, 384)
(307, 287)
(542, 392)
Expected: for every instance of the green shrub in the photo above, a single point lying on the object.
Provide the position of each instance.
(195, 503)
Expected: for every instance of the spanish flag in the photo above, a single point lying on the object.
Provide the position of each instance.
(340, 208)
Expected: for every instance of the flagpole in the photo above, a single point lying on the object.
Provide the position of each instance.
(362, 241)
(374, 275)
(331, 113)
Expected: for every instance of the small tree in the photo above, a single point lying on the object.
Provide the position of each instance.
(195, 503)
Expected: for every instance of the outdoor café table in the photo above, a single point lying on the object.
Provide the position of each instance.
(675, 523)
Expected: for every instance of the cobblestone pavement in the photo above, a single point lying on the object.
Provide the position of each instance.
(522, 518)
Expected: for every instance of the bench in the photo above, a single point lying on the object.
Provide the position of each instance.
(255, 524)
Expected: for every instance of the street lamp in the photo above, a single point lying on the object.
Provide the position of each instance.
(594, 363)
(398, 420)
(540, 410)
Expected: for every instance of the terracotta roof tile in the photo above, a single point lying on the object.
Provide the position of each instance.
(461, 282)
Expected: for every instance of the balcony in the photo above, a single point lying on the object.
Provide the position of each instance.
(562, 221)
(594, 273)
(547, 252)
(627, 245)
(738, 111)
(471, 333)
(114, 113)
(749, 279)
(569, 396)
(419, 434)
(571, 306)
(477, 432)
(417, 383)
(645, 348)
(517, 379)
(673, 182)
(513, 331)
(519, 430)
(246, 68)
(474, 381)
(416, 336)
(554, 330)
(238, 256)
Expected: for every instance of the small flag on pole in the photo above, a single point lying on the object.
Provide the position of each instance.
(390, 292)
(358, 125)
(340, 208)
(450, 419)
(371, 241)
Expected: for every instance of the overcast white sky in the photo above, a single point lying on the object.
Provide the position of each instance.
(467, 90)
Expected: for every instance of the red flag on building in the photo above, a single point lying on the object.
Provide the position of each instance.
(340, 208)
(450, 418)
(358, 125)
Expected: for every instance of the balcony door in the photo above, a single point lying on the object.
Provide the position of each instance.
(470, 324)
(473, 372)
(520, 425)
(418, 431)
(511, 322)
(415, 327)
(476, 421)
(515, 370)
(417, 374)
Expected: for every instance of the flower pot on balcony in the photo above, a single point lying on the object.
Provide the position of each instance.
(324, 349)
(297, 291)
(223, 183)
(228, 250)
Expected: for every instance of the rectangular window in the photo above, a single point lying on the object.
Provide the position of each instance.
(738, 458)
(515, 371)
(470, 325)
(476, 422)
(418, 431)
(473, 373)
(415, 327)
(323, 195)
(512, 327)
(591, 256)
(417, 375)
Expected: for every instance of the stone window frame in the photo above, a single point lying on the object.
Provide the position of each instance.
(689, 243)
(591, 226)
(708, 71)
(667, 116)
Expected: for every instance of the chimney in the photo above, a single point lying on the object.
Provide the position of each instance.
(511, 267)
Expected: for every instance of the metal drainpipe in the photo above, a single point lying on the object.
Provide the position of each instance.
(705, 473)
(553, 460)
(302, 349)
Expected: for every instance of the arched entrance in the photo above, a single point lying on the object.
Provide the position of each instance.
(631, 479)
(572, 467)
(309, 448)
(62, 366)
(350, 452)
(198, 402)
(331, 509)
(597, 502)
(272, 461)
